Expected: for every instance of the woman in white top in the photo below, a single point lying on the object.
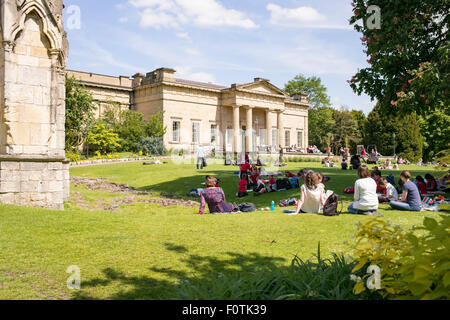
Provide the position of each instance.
(311, 195)
(365, 198)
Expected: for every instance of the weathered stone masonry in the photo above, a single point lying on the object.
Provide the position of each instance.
(33, 54)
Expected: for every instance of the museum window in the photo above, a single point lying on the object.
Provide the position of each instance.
(262, 137)
(195, 132)
(274, 137)
(299, 139)
(176, 131)
(287, 138)
(229, 134)
(213, 133)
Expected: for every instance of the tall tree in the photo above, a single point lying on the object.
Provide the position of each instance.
(408, 55)
(320, 124)
(380, 128)
(320, 115)
(312, 86)
(345, 129)
(79, 113)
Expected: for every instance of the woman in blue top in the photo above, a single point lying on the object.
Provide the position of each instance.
(410, 199)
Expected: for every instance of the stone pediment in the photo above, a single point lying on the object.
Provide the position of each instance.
(263, 86)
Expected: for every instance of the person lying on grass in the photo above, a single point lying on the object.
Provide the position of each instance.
(311, 195)
(215, 198)
(365, 197)
(410, 198)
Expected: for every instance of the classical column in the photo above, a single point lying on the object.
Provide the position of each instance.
(236, 130)
(268, 128)
(280, 128)
(249, 130)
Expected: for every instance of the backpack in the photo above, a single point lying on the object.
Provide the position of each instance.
(247, 207)
(331, 205)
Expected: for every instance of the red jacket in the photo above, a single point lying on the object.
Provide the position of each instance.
(422, 187)
(242, 185)
(245, 166)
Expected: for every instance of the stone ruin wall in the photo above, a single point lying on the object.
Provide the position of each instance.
(33, 54)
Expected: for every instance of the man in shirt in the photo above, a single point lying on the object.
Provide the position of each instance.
(200, 156)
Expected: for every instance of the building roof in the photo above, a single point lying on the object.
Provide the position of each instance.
(199, 84)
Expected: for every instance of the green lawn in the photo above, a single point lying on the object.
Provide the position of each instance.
(140, 250)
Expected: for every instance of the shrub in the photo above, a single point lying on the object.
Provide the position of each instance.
(102, 139)
(151, 145)
(73, 156)
(413, 266)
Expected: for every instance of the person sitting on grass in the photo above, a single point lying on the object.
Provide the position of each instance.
(376, 175)
(311, 195)
(391, 192)
(245, 168)
(321, 180)
(344, 164)
(260, 187)
(420, 183)
(272, 184)
(254, 178)
(410, 198)
(215, 198)
(242, 190)
(365, 197)
(431, 182)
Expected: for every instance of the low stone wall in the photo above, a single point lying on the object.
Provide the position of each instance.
(35, 183)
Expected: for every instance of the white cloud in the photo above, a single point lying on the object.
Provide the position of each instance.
(301, 17)
(174, 13)
(183, 35)
(123, 19)
(187, 73)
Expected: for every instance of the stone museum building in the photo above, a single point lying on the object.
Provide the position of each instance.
(246, 117)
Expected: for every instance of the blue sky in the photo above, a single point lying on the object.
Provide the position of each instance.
(221, 41)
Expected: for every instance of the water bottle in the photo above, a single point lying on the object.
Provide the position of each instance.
(272, 206)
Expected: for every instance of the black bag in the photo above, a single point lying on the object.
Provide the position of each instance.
(284, 184)
(247, 207)
(331, 206)
(204, 162)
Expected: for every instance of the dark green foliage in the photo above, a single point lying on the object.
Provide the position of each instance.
(320, 124)
(152, 145)
(408, 55)
(381, 126)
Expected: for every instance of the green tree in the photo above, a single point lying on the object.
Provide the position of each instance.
(79, 113)
(408, 55)
(157, 128)
(312, 86)
(435, 129)
(103, 139)
(320, 124)
(408, 141)
(131, 125)
(345, 130)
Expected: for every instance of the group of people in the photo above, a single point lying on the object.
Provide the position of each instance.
(312, 149)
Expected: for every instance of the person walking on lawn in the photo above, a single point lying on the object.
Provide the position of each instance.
(200, 156)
